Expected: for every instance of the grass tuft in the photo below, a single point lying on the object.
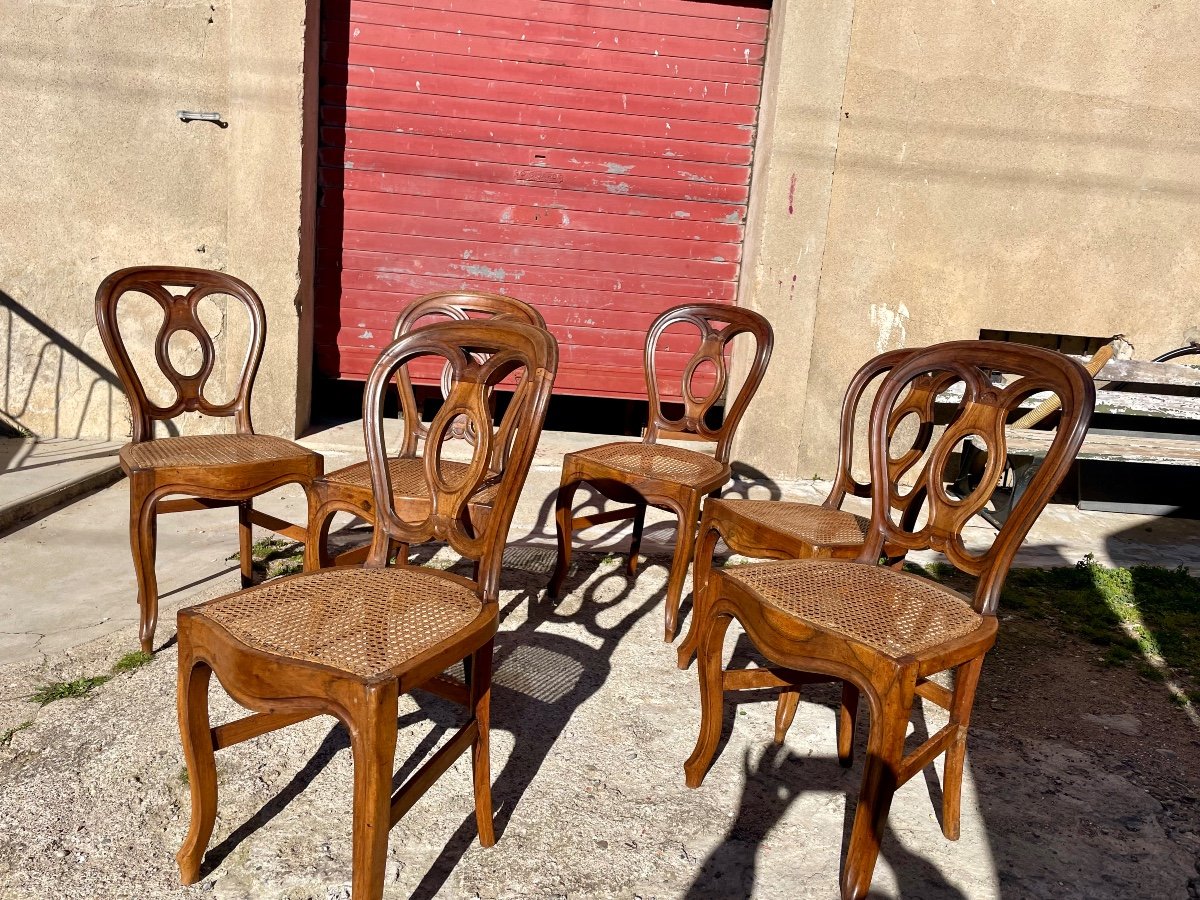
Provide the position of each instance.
(134, 660)
(62, 690)
(1147, 614)
(7, 736)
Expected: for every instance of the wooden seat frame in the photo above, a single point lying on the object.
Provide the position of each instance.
(206, 486)
(663, 492)
(283, 690)
(802, 651)
(335, 493)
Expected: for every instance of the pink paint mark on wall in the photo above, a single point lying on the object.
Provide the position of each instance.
(791, 194)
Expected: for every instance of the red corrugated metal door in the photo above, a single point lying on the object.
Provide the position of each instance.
(589, 156)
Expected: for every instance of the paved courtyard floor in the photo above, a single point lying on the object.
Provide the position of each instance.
(1082, 781)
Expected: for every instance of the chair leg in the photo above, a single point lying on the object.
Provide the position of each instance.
(966, 680)
(198, 753)
(246, 542)
(785, 712)
(481, 694)
(685, 547)
(316, 539)
(885, 749)
(635, 545)
(706, 545)
(845, 728)
(373, 742)
(143, 540)
(712, 698)
(565, 523)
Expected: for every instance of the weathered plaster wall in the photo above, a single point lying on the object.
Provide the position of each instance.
(1021, 166)
(100, 174)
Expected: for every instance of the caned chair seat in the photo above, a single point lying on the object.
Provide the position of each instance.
(895, 613)
(362, 621)
(210, 450)
(408, 478)
(657, 461)
(806, 522)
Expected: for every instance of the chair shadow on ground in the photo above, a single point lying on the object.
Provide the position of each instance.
(540, 679)
(781, 777)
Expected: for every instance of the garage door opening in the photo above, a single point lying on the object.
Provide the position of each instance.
(592, 158)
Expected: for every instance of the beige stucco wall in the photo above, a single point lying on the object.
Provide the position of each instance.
(1018, 166)
(100, 174)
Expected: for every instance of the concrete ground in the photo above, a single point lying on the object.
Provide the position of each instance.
(592, 723)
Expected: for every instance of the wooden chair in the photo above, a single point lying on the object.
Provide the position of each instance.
(885, 632)
(779, 529)
(212, 470)
(348, 641)
(650, 473)
(349, 489)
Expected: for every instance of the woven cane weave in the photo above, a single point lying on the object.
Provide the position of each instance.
(656, 461)
(893, 612)
(363, 621)
(210, 450)
(810, 523)
(408, 478)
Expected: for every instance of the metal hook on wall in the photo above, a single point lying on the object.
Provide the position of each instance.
(214, 117)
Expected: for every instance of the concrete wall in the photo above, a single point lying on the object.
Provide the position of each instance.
(924, 170)
(1016, 166)
(100, 174)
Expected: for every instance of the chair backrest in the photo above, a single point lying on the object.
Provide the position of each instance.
(461, 306)
(179, 315)
(480, 355)
(985, 409)
(917, 402)
(713, 342)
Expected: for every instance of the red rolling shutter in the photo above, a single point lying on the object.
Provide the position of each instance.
(591, 157)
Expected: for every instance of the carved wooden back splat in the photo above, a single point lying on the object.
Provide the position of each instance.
(712, 350)
(480, 355)
(459, 306)
(983, 412)
(179, 314)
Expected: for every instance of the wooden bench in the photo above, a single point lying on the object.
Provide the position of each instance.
(1141, 408)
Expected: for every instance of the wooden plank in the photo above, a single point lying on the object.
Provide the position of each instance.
(613, 162)
(750, 11)
(1111, 447)
(500, 262)
(679, 190)
(380, 316)
(1154, 406)
(619, 33)
(735, 66)
(553, 218)
(366, 230)
(682, 21)
(484, 110)
(488, 272)
(535, 137)
(716, 92)
(531, 195)
(1137, 371)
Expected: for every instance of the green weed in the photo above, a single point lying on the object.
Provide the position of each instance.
(7, 736)
(62, 690)
(130, 661)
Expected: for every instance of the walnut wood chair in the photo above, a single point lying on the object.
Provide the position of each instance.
(349, 489)
(348, 641)
(885, 632)
(779, 529)
(211, 470)
(650, 473)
